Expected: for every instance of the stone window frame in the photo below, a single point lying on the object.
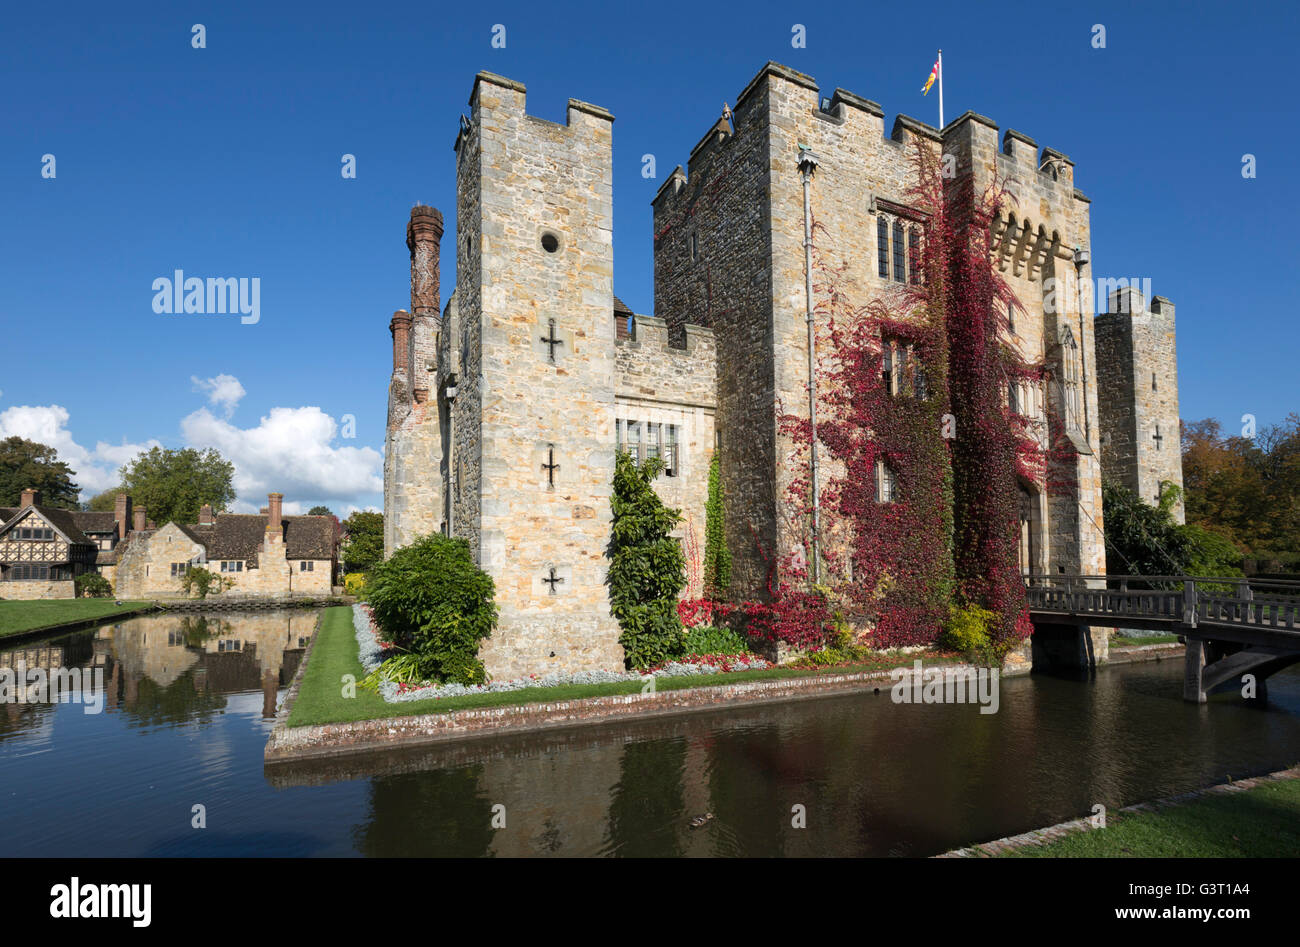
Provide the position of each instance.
(886, 482)
(897, 232)
(306, 565)
(899, 365)
(671, 451)
(882, 246)
(1071, 389)
(179, 569)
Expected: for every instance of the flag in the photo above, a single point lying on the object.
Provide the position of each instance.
(934, 74)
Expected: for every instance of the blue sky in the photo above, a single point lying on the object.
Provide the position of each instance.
(225, 161)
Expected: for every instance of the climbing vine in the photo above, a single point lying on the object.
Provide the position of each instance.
(923, 453)
(717, 558)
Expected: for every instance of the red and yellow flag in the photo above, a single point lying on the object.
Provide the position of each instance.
(934, 74)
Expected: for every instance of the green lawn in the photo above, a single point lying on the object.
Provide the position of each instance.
(1263, 822)
(20, 616)
(1119, 641)
(334, 654)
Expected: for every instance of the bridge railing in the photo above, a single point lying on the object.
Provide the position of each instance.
(1186, 600)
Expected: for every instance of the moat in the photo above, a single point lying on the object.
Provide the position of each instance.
(190, 700)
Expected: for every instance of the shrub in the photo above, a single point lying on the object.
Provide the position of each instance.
(711, 639)
(431, 600)
(967, 630)
(93, 585)
(647, 567)
(354, 583)
(199, 579)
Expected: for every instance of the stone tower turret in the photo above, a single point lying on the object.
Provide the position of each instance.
(1137, 391)
(533, 419)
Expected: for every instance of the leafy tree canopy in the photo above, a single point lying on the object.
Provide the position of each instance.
(173, 484)
(320, 511)
(364, 547)
(1245, 488)
(24, 464)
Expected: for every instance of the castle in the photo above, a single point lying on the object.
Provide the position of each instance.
(506, 409)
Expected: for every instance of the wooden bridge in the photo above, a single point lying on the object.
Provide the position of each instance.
(1232, 626)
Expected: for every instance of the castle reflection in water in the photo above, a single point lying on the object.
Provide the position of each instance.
(173, 667)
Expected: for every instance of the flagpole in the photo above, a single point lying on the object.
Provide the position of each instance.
(941, 90)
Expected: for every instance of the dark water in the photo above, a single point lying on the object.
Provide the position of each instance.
(188, 716)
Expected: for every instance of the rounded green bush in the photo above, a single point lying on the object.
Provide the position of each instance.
(431, 600)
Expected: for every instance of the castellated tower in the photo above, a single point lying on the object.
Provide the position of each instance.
(1138, 394)
(729, 255)
(532, 419)
(412, 446)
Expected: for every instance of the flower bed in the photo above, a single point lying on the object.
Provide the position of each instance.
(372, 652)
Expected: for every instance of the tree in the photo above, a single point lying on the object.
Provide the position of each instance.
(173, 484)
(320, 511)
(24, 464)
(1245, 488)
(364, 547)
(717, 557)
(1142, 539)
(105, 502)
(648, 568)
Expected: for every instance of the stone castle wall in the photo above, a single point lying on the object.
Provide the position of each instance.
(662, 384)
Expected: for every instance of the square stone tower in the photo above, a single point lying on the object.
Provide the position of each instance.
(532, 426)
(729, 232)
(1137, 363)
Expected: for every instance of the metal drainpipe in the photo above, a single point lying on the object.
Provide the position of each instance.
(451, 392)
(808, 162)
(1081, 258)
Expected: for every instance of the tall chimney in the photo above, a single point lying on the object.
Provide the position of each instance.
(423, 234)
(401, 329)
(274, 520)
(31, 497)
(122, 514)
(139, 514)
(205, 515)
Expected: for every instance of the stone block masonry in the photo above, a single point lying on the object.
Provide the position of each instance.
(534, 301)
(505, 413)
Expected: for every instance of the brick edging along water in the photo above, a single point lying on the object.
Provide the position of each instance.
(334, 739)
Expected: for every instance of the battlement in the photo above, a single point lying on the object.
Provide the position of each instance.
(1019, 157)
(492, 93)
(649, 366)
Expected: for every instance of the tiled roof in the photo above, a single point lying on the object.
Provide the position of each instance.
(239, 536)
(60, 519)
(94, 521)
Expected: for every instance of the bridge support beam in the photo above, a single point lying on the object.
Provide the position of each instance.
(1066, 647)
(1208, 668)
(1194, 671)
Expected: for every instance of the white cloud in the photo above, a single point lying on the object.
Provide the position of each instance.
(225, 391)
(95, 470)
(289, 451)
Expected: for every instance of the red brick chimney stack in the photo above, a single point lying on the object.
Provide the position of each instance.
(274, 506)
(401, 329)
(31, 497)
(205, 515)
(139, 514)
(423, 235)
(122, 514)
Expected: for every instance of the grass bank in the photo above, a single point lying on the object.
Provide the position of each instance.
(1261, 822)
(1121, 641)
(320, 697)
(20, 617)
